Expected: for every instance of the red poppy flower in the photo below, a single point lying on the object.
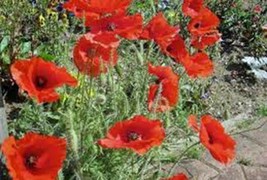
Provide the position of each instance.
(128, 27)
(34, 157)
(192, 7)
(199, 65)
(139, 134)
(202, 42)
(163, 95)
(177, 50)
(94, 54)
(214, 138)
(40, 78)
(179, 176)
(206, 22)
(160, 31)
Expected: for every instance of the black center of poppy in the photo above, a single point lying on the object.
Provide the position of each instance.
(197, 25)
(157, 81)
(211, 140)
(169, 48)
(30, 161)
(40, 81)
(133, 136)
(111, 27)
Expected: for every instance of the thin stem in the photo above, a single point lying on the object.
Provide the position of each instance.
(248, 130)
(153, 6)
(180, 157)
(74, 144)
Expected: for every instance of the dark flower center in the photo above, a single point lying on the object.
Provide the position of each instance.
(40, 82)
(111, 27)
(30, 161)
(211, 139)
(169, 48)
(133, 136)
(158, 81)
(197, 25)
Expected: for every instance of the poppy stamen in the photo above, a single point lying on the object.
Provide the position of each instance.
(169, 49)
(133, 136)
(30, 161)
(211, 139)
(111, 27)
(40, 81)
(197, 25)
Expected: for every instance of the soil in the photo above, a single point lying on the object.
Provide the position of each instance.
(234, 90)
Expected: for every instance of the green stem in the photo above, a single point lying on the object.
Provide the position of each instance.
(153, 6)
(74, 143)
(180, 157)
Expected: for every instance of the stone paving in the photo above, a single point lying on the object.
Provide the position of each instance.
(250, 162)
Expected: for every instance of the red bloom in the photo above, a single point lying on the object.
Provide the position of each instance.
(40, 78)
(163, 95)
(192, 7)
(179, 176)
(160, 31)
(128, 27)
(205, 23)
(139, 134)
(202, 42)
(94, 54)
(199, 65)
(177, 50)
(34, 157)
(214, 138)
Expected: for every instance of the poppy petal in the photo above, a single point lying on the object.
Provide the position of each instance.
(192, 122)
(199, 65)
(192, 7)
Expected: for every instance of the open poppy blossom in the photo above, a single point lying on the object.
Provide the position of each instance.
(138, 133)
(180, 176)
(199, 65)
(192, 7)
(163, 95)
(34, 157)
(40, 78)
(125, 26)
(206, 22)
(160, 31)
(203, 41)
(94, 54)
(213, 136)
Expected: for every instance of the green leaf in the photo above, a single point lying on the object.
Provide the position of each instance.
(47, 56)
(25, 47)
(5, 59)
(4, 43)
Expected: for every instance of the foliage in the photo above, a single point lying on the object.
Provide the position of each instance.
(84, 114)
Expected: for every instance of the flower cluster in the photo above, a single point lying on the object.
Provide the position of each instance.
(94, 53)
